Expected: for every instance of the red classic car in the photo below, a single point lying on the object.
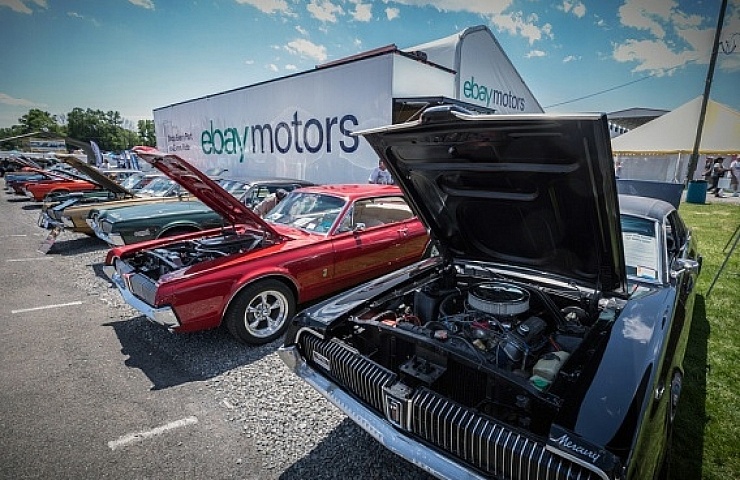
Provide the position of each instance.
(15, 181)
(40, 189)
(253, 274)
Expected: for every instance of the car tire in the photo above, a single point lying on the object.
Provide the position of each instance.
(260, 313)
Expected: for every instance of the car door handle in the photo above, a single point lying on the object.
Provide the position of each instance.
(403, 231)
(659, 391)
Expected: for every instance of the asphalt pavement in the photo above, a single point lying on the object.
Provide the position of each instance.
(72, 405)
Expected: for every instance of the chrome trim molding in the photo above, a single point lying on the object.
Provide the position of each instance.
(423, 457)
(164, 316)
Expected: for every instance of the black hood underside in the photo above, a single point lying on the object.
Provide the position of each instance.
(533, 191)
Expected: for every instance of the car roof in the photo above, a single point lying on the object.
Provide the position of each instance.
(353, 190)
(278, 180)
(644, 207)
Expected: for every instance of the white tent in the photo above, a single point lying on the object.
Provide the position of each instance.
(660, 149)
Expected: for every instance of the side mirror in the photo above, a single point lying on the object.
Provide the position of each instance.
(681, 265)
(359, 227)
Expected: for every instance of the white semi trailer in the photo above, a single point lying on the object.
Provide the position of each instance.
(301, 125)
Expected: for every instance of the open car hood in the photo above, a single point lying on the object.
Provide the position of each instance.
(533, 191)
(94, 174)
(205, 189)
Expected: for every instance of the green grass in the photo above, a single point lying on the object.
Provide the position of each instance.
(706, 442)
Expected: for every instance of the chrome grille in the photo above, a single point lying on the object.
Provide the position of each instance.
(485, 444)
(143, 287)
(356, 373)
(475, 439)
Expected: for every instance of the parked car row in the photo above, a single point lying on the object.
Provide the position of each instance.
(503, 312)
(200, 257)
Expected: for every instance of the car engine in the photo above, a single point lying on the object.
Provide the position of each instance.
(159, 261)
(505, 347)
(503, 324)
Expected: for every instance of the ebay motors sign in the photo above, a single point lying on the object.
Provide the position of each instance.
(487, 77)
(299, 126)
(298, 135)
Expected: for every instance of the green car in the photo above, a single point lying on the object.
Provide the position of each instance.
(137, 223)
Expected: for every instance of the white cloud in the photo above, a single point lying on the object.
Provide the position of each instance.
(291, 67)
(363, 11)
(571, 58)
(576, 7)
(20, 6)
(324, 10)
(82, 17)
(301, 30)
(6, 99)
(647, 15)
(273, 67)
(268, 6)
(148, 4)
(654, 56)
(516, 24)
(306, 48)
(665, 37)
(535, 53)
(497, 11)
(392, 13)
(729, 51)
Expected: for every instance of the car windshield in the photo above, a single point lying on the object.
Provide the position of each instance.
(234, 187)
(132, 181)
(159, 187)
(313, 212)
(641, 251)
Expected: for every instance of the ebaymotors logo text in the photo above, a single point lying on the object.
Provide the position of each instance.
(296, 135)
(491, 96)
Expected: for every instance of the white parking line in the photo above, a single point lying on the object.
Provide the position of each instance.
(28, 259)
(138, 436)
(46, 307)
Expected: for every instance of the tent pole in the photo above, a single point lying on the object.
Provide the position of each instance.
(707, 87)
(675, 170)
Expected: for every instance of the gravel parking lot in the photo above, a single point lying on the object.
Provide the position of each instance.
(90, 389)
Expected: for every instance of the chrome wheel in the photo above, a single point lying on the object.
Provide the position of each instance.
(266, 313)
(260, 313)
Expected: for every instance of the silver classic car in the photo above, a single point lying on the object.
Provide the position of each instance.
(546, 341)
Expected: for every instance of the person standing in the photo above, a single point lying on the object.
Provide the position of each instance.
(270, 202)
(381, 175)
(735, 175)
(718, 170)
(707, 173)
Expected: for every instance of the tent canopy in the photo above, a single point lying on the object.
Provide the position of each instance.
(675, 132)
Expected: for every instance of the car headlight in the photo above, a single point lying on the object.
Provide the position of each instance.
(116, 239)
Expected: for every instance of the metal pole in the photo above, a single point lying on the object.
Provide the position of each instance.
(707, 86)
(724, 262)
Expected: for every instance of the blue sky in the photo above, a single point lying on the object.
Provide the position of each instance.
(136, 55)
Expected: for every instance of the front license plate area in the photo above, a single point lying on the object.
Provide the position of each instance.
(43, 222)
(46, 245)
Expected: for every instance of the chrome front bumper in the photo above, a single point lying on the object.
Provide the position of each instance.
(111, 239)
(45, 221)
(381, 430)
(164, 316)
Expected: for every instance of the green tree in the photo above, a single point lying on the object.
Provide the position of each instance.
(85, 125)
(39, 121)
(146, 133)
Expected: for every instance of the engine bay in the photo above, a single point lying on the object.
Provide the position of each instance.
(499, 346)
(156, 262)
